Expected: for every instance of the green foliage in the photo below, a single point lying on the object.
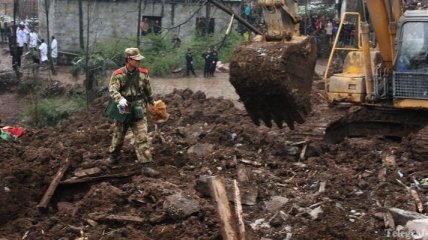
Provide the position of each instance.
(28, 87)
(106, 56)
(113, 49)
(52, 111)
(162, 58)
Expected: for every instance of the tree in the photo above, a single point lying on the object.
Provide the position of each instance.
(81, 39)
(46, 7)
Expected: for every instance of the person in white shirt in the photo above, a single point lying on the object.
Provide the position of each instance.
(33, 44)
(43, 52)
(21, 39)
(34, 38)
(54, 48)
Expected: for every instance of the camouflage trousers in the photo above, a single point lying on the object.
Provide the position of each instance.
(142, 141)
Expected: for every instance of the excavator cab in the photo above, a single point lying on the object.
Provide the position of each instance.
(412, 51)
(410, 78)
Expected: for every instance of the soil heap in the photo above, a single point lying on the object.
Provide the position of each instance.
(293, 185)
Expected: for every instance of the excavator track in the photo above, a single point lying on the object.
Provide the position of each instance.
(371, 121)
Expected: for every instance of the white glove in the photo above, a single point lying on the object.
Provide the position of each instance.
(123, 103)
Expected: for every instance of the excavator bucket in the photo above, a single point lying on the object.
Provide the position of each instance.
(274, 79)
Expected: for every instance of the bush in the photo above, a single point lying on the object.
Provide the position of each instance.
(160, 56)
(51, 111)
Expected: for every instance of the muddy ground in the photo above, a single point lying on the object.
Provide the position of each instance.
(332, 191)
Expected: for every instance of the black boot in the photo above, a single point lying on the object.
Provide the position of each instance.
(148, 171)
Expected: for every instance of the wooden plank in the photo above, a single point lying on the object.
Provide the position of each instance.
(238, 210)
(54, 184)
(418, 202)
(99, 178)
(118, 218)
(218, 193)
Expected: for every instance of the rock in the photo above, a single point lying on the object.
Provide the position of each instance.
(313, 150)
(66, 208)
(293, 150)
(362, 184)
(260, 224)
(192, 133)
(276, 203)
(315, 213)
(276, 221)
(401, 217)
(202, 185)
(178, 206)
(201, 149)
(321, 189)
(418, 228)
(248, 195)
(378, 216)
(279, 219)
(242, 174)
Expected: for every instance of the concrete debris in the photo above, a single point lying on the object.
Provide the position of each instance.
(201, 149)
(260, 224)
(401, 217)
(179, 206)
(275, 203)
(316, 213)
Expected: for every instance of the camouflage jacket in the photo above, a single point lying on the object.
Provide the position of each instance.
(133, 86)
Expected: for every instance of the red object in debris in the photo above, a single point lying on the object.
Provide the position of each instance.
(15, 131)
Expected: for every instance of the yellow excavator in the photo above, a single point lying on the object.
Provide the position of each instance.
(385, 71)
(273, 73)
(389, 80)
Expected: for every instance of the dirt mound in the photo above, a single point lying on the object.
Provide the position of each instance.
(281, 189)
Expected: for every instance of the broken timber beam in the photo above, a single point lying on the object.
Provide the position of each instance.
(43, 204)
(99, 178)
(117, 218)
(218, 193)
(238, 210)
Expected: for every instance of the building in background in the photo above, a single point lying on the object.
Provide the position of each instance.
(25, 9)
(118, 19)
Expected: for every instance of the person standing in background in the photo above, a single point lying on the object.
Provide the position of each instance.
(2, 30)
(21, 40)
(43, 52)
(54, 50)
(189, 63)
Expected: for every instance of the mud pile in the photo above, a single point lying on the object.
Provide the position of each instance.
(292, 184)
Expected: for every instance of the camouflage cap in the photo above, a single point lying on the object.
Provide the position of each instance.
(133, 53)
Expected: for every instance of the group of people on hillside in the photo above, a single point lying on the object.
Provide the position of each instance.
(22, 38)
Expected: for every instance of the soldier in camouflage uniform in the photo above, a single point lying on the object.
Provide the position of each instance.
(130, 88)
